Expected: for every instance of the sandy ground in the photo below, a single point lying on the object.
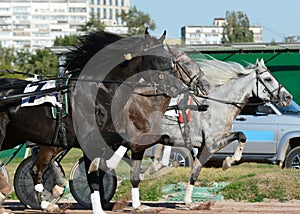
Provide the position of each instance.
(228, 207)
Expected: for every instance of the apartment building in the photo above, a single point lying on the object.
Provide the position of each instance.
(199, 35)
(108, 11)
(34, 24)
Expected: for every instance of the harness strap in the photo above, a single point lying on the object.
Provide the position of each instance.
(60, 130)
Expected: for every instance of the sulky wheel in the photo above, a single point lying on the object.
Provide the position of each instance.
(79, 186)
(24, 187)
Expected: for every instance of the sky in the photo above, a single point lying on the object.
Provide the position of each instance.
(279, 18)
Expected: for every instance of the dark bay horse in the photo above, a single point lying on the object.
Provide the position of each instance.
(231, 85)
(36, 124)
(93, 92)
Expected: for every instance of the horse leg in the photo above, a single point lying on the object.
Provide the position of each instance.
(95, 180)
(114, 161)
(5, 187)
(37, 170)
(135, 181)
(199, 161)
(60, 179)
(165, 158)
(238, 152)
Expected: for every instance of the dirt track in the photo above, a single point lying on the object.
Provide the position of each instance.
(228, 207)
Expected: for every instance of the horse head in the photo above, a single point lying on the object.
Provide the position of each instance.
(189, 72)
(268, 87)
(154, 55)
(156, 65)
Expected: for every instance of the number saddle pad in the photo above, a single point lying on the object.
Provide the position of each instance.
(45, 98)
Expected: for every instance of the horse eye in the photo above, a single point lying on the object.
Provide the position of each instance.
(268, 79)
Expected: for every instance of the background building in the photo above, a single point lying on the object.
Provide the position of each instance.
(196, 35)
(108, 11)
(33, 24)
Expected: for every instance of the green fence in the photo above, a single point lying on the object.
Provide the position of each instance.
(285, 66)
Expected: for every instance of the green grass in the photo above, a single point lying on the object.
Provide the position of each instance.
(247, 182)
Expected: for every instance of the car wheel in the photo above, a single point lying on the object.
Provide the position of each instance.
(181, 157)
(293, 159)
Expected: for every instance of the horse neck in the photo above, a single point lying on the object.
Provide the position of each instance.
(236, 90)
(220, 115)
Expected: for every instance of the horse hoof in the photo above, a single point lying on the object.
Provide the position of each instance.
(145, 209)
(155, 167)
(49, 207)
(200, 206)
(57, 191)
(226, 164)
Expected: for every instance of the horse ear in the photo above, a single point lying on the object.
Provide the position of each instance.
(257, 62)
(163, 37)
(262, 63)
(147, 35)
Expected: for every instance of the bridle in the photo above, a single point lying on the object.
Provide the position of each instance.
(160, 82)
(274, 98)
(192, 82)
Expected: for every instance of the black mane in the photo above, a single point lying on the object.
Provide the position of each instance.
(89, 45)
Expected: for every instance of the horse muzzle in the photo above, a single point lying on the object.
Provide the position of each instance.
(284, 99)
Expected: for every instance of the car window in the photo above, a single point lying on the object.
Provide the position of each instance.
(255, 106)
(291, 109)
(257, 110)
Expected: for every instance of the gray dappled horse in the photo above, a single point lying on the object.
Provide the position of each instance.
(231, 85)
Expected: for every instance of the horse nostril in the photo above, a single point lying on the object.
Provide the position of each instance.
(288, 98)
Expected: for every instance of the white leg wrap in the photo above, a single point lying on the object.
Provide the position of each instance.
(96, 204)
(135, 194)
(188, 194)
(44, 204)
(166, 156)
(114, 161)
(195, 151)
(39, 187)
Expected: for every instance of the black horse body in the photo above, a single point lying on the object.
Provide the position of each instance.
(18, 124)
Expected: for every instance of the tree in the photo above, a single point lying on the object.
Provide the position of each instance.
(93, 25)
(237, 28)
(7, 58)
(137, 21)
(66, 41)
(72, 40)
(291, 39)
(42, 62)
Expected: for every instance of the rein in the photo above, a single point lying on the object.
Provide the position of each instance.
(226, 102)
(239, 104)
